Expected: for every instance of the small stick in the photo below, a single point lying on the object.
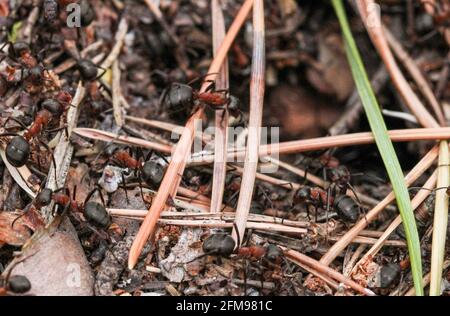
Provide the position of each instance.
(378, 37)
(296, 256)
(116, 102)
(115, 51)
(221, 116)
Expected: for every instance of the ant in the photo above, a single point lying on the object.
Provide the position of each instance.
(149, 170)
(94, 212)
(89, 70)
(344, 205)
(17, 284)
(441, 15)
(183, 96)
(18, 149)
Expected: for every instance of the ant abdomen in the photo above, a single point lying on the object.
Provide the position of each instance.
(179, 96)
(88, 70)
(53, 106)
(87, 13)
(221, 244)
(97, 214)
(273, 252)
(18, 151)
(44, 197)
(19, 284)
(152, 173)
(347, 208)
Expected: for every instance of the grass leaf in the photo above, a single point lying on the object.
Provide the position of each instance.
(384, 145)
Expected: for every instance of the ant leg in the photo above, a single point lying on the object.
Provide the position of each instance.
(15, 120)
(101, 74)
(326, 213)
(357, 199)
(17, 218)
(201, 77)
(238, 236)
(66, 131)
(92, 193)
(125, 188)
(140, 188)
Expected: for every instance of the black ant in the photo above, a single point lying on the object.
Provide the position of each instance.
(18, 149)
(32, 72)
(344, 205)
(149, 170)
(89, 70)
(441, 16)
(17, 284)
(94, 212)
(182, 96)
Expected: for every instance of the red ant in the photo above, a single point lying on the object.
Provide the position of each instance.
(344, 205)
(441, 14)
(32, 71)
(89, 70)
(150, 170)
(94, 212)
(17, 284)
(18, 149)
(182, 96)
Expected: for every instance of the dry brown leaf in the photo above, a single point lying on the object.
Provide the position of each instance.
(17, 235)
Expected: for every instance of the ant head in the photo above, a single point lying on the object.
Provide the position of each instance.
(97, 214)
(44, 197)
(347, 208)
(152, 173)
(303, 194)
(18, 49)
(19, 284)
(53, 106)
(36, 72)
(18, 151)
(234, 104)
(180, 95)
(273, 252)
(219, 244)
(87, 13)
(87, 69)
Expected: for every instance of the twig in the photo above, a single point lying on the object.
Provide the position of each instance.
(257, 86)
(416, 75)
(295, 256)
(115, 51)
(221, 116)
(176, 167)
(126, 140)
(440, 221)
(375, 30)
(319, 143)
(116, 101)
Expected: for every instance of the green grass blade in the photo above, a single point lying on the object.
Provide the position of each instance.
(384, 145)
